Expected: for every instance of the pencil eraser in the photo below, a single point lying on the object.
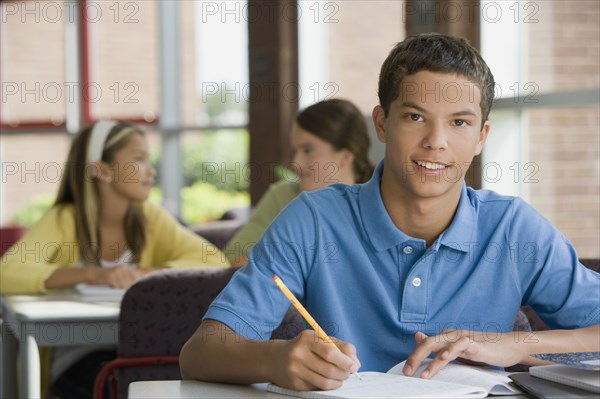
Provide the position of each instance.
(274, 277)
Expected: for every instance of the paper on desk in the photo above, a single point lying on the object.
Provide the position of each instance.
(99, 290)
(495, 382)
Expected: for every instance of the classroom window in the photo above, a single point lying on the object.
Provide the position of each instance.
(122, 75)
(31, 35)
(120, 66)
(341, 51)
(545, 138)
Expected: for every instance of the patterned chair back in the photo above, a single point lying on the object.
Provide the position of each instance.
(158, 315)
(161, 311)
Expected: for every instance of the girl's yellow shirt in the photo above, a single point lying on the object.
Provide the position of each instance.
(52, 243)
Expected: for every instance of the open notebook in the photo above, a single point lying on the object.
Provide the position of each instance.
(454, 381)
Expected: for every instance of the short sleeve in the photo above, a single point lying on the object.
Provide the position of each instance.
(251, 304)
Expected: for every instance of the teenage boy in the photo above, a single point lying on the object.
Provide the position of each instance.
(412, 255)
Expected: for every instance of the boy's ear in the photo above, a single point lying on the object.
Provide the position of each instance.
(378, 116)
(485, 130)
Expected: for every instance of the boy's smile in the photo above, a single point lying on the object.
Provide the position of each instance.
(432, 132)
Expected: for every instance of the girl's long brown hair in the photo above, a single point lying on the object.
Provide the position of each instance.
(79, 187)
(341, 124)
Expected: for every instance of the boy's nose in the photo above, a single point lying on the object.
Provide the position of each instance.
(436, 138)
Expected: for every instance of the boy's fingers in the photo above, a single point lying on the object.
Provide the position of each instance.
(420, 337)
(317, 380)
(448, 354)
(340, 359)
(326, 370)
(349, 350)
(422, 351)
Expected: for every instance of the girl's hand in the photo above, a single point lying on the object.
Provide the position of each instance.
(122, 276)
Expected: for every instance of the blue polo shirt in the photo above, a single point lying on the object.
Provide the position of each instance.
(368, 283)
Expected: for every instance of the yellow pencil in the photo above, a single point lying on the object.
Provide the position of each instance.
(309, 319)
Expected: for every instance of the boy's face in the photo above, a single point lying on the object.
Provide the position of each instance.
(432, 132)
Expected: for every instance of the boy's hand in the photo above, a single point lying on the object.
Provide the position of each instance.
(470, 346)
(307, 363)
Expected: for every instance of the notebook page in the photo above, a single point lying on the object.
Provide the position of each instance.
(381, 385)
(495, 382)
(92, 290)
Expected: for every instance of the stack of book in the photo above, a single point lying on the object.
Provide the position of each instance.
(574, 375)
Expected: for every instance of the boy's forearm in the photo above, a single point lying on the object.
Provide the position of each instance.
(215, 353)
(554, 341)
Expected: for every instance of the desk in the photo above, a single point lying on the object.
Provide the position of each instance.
(198, 389)
(63, 318)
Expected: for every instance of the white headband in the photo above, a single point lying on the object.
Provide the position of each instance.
(97, 140)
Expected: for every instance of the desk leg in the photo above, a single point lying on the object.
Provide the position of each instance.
(8, 351)
(30, 386)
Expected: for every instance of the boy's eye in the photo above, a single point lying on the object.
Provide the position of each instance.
(415, 117)
(460, 122)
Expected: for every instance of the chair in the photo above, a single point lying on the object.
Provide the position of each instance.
(158, 315)
(219, 232)
(9, 235)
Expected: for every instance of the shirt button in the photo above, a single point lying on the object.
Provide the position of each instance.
(416, 282)
(408, 250)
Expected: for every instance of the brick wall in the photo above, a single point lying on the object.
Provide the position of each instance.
(124, 50)
(32, 55)
(123, 54)
(30, 168)
(565, 143)
(359, 41)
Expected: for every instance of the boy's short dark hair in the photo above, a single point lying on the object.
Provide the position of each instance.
(436, 53)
